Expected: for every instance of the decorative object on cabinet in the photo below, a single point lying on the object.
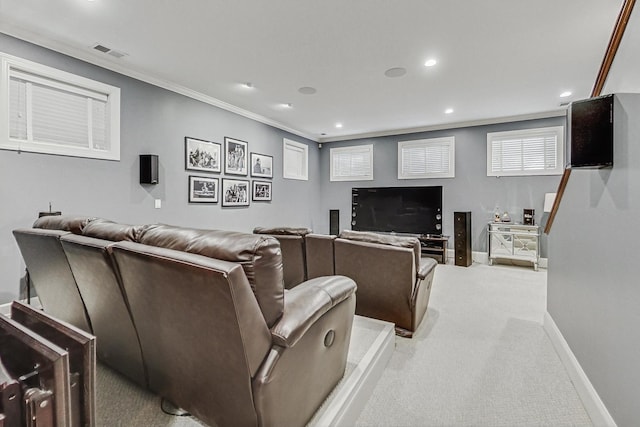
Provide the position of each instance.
(202, 155)
(236, 152)
(514, 242)
(261, 191)
(261, 165)
(462, 238)
(235, 192)
(528, 216)
(203, 189)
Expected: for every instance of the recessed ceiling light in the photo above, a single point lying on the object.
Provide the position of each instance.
(247, 85)
(430, 62)
(448, 111)
(307, 90)
(338, 125)
(565, 94)
(395, 72)
(287, 105)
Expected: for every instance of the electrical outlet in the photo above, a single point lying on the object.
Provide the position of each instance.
(158, 203)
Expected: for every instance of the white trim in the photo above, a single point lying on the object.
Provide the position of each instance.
(354, 391)
(91, 58)
(288, 144)
(447, 126)
(524, 134)
(88, 56)
(448, 141)
(594, 406)
(354, 149)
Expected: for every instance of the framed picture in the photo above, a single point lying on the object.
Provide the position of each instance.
(261, 191)
(261, 165)
(203, 189)
(235, 192)
(202, 155)
(236, 153)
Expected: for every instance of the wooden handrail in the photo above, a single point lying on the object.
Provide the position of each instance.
(605, 67)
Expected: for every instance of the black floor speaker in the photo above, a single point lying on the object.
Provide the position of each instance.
(462, 237)
(334, 222)
(148, 168)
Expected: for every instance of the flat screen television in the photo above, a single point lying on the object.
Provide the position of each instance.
(411, 210)
(591, 133)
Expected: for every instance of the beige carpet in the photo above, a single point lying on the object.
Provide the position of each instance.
(481, 359)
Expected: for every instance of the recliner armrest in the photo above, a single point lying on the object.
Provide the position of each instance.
(306, 303)
(425, 267)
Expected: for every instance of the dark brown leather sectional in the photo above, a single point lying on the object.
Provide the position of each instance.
(394, 282)
(200, 317)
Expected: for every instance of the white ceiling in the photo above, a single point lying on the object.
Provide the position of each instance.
(497, 59)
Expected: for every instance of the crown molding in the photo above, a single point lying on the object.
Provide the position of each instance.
(445, 126)
(91, 58)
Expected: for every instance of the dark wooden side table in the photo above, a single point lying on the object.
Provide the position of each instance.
(434, 246)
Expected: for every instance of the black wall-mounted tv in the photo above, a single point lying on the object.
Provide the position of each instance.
(411, 210)
(591, 133)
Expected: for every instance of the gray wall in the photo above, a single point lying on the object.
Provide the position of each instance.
(593, 292)
(470, 190)
(153, 120)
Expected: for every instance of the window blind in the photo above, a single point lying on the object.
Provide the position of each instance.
(352, 163)
(427, 158)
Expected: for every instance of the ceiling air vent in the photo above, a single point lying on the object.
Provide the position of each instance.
(109, 51)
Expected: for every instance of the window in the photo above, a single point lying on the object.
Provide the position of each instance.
(55, 112)
(526, 152)
(426, 158)
(351, 163)
(295, 160)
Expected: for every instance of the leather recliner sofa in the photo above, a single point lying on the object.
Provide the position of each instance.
(219, 335)
(394, 281)
(292, 244)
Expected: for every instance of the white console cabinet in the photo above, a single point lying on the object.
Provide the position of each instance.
(514, 241)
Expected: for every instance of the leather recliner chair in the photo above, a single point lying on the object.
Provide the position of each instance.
(319, 250)
(90, 260)
(394, 283)
(292, 244)
(49, 269)
(220, 336)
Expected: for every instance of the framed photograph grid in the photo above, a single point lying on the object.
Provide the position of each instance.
(235, 162)
(203, 189)
(261, 191)
(261, 165)
(201, 155)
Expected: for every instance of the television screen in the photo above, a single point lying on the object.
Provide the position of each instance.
(411, 210)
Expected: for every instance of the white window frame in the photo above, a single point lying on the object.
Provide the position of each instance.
(557, 131)
(292, 147)
(349, 153)
(447, 141)
(51, 77)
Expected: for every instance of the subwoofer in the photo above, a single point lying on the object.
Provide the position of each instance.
(462, 238)
(148, 168)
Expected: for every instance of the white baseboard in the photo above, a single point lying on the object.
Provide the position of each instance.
(483, 258)
(594, 406)
(354, 393)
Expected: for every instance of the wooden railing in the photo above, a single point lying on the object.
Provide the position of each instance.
(605, 67)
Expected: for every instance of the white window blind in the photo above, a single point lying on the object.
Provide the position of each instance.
(526, 152)
(351, 163)
(295, 160)
(51, 111)
(426, 158)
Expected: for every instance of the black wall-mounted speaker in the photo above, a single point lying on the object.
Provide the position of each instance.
(148, 169)
(334, 222)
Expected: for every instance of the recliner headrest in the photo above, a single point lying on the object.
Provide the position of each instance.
(72, 223)
(109, 230)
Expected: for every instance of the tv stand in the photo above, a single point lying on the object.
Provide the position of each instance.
(434, 246)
